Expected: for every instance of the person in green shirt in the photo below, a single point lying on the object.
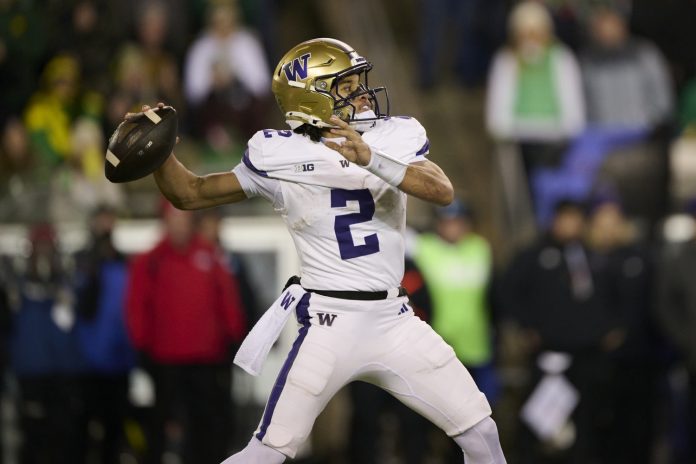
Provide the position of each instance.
(456, 263)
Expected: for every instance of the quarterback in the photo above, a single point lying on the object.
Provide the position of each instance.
(339, 177)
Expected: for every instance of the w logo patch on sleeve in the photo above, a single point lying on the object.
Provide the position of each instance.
(297, 68)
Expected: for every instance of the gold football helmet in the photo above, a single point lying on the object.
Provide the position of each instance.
(305, 81)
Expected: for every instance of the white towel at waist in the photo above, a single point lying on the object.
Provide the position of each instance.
(258, 342)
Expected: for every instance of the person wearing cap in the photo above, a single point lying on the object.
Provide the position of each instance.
(456, 263)
(560, 303)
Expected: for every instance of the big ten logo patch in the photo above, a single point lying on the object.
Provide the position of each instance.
(306, 167)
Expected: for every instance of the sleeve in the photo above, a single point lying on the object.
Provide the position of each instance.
(255, 185)
(408, 142)
(252, 174)
(138, 300)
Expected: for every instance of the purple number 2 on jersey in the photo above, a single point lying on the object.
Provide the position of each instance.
(346, 245)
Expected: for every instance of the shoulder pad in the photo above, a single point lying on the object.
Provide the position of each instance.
(402, 137)
(271, 150)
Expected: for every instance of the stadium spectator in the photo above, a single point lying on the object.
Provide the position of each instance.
(626, 80)
(23, 42)
(86, 28)
(153, 25)
(15, 155)
(629, 109)
(453, 28)
(456, 263)
(50, 112)
(45, 355)
(209, 226)
(183, 315)
(18, 173)
(551, 291)
(626, 267)
(227, 80)
(78, 186)
(132, 84)
(534, 89)
(146, 70)
(676, 313)
(100, 282)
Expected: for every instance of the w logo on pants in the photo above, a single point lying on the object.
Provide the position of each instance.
(326, 319)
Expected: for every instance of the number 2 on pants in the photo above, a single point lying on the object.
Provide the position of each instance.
(346, 245)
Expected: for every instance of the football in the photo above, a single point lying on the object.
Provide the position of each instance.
(140, 144)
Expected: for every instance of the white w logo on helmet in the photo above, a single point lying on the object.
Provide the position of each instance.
(295, 68)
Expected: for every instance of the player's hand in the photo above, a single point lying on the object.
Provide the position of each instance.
(353, 149)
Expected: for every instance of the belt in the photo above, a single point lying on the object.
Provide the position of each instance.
(351, 294)
(358, 295)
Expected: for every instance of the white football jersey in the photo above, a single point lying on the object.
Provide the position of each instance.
(347, 224)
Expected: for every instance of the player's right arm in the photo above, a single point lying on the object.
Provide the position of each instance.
(186, 190)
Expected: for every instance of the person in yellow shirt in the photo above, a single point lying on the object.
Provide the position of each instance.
(456, 263)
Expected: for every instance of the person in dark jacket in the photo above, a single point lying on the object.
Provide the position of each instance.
(100, 283)
(676, 314)
(552, 293)
(45, 356)
(628, 269)
(183, 314)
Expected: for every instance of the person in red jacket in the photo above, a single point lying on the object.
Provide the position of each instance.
(184, 314)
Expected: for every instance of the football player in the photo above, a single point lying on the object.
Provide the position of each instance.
(339, 178)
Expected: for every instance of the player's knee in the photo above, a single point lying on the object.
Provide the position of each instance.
(256, 453)
(481, 444)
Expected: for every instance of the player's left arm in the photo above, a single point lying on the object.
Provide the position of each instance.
(427, 181)
(423, 179)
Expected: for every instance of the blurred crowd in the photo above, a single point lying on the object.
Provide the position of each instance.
(71, 71)
(581, 335)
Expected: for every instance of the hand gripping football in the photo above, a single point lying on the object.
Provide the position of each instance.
(140, 144)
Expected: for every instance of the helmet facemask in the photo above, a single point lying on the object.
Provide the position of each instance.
(344, 105)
